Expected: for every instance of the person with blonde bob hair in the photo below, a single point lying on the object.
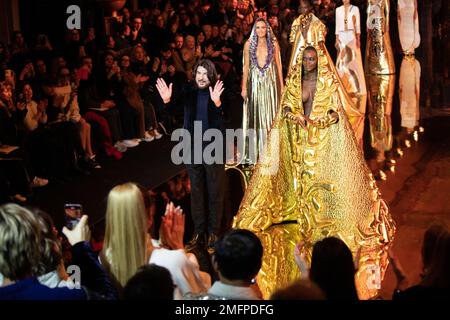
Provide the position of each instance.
(128, 245)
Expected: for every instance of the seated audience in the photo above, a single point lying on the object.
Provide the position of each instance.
(151, 282)
(332, 268)
(237, 259)
(128, 245)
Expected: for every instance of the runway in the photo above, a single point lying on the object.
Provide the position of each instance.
(406, 149)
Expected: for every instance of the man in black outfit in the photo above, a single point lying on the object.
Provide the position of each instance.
(203, 103)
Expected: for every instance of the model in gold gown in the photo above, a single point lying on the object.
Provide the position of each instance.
(308, 29)
(261, 88)
(313, 173)
(379, 55)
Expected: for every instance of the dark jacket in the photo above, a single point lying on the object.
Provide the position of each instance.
(94, 281)
(187, 99)
(31, 289)
(217, 116)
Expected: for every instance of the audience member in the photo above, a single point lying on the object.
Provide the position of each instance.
(151, 282)
(237, 259)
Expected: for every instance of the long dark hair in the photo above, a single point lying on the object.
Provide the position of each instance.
(270, 39)
(210, 69)
(332, 269)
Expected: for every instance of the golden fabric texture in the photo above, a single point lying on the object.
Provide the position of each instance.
(312, 27)
(381, 92)
(315, 35)
(279, 269)
(316, 177)
(379, 55)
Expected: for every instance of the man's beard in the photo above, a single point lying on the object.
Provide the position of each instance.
(202, 84)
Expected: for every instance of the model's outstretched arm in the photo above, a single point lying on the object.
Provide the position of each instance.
(246, 69)
(279, 66)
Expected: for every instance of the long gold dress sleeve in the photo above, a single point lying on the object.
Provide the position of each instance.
(316, 178)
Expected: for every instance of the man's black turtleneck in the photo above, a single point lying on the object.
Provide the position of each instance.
(202, 108)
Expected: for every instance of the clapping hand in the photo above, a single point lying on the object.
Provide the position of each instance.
(156, 63)
(164, 91)
(80, 233)
(172, 227)
(216, 92)
(141, 78)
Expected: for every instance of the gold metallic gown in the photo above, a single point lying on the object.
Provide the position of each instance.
(263, 92)
(381, 92)
(316, 178)
(315, 34)
(379, 55)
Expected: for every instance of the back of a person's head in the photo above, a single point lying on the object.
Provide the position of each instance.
(438, 275)
(151, 282)
(430, 239)
(304, 290)
(125, 233)
(332, 269)
(238, 255)
(51, 251)
(20, 240)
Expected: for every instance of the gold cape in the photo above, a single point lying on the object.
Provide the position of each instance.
(316, 177)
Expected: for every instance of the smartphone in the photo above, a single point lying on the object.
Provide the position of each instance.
(73, 213)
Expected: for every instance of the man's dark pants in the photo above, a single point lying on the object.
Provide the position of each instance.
(207, 196)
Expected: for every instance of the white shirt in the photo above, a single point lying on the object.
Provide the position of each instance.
(185, 271)
(232, 292)
(62, 94)
(52, 280)
(353, 19)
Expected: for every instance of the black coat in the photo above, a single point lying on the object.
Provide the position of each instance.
(187, 99)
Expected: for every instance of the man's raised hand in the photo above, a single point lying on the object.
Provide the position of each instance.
(164, 91)
(216, 92)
